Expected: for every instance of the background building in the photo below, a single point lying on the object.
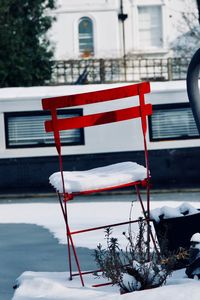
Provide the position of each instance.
(114, 28)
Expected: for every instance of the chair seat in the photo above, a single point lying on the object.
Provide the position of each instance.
(102, 178)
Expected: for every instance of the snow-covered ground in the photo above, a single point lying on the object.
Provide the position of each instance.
(49, 286)
(81, 215)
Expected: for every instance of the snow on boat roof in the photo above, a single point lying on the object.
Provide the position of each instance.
(50, 91)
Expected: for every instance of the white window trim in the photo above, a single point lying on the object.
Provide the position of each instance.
(39, 138)
(76, 33)
(164, 49)
(172, 109)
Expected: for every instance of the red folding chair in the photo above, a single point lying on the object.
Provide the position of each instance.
(69, 184)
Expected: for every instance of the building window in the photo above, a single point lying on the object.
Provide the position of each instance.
(86, 39)
(150, 26)
(172, 122)
(26, 129)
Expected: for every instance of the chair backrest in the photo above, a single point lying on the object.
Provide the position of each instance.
(56, 125)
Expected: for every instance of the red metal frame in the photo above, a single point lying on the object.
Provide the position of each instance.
(142, 183)
(98, 119)
(55, 125)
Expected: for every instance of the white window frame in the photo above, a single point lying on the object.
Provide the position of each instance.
(158, 44)
(76, 33)
(135, 26)
(168, 125)
(81, 54)
(28, 136)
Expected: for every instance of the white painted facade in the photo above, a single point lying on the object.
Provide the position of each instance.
(149, 29)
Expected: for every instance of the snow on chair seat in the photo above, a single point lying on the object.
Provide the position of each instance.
(107, 177)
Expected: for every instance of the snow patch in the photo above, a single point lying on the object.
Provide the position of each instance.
(56, 286)
(195, 238)
(166, 212)
(130, 282)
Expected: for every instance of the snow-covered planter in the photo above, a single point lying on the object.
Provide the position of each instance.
(135, 268)
(175, 226)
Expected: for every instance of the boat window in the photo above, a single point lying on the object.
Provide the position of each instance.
(26, 129)
(171, 122)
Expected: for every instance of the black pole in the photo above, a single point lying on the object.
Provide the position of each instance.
(193, 88)
(198, 8)
(122, 17)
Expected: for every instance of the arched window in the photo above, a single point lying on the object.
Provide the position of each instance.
(86, 40)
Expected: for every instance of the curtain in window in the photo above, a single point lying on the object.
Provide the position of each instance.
(86, 40)
(173, 123)
(150, 26)
(28, 130)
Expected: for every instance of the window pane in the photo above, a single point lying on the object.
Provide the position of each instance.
(150, 26)
(172, 123)
(86, 44)
(27, 129)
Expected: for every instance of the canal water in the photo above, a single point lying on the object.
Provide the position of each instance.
(26, 247)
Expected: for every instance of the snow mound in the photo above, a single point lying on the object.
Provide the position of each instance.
(166, 212)
(99, 178)
(195, 238)
(56, 286)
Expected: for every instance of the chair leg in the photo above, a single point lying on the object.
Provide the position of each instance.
(70, 242)
(69, 257)
(147, 217)
(75, 255)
